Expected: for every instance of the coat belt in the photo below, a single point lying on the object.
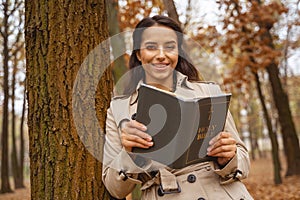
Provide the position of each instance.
(167, 178)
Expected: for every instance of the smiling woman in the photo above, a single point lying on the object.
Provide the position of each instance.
(158, 59)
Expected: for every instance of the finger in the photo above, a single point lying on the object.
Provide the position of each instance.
(226, 155)
(219, 136)
(131, 130)
(130, 144)
(137, 125)
(223, 151)
(130, 139)
(137, 128)
(222, 142)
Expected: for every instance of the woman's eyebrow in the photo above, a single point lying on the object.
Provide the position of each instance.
(150, 42)
(170, 42)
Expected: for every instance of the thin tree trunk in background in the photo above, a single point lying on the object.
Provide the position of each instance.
(285, 56)
(22, 150)
(5, 186)
(118, 43)
(252, 142)
(291, 140)
(59, 36)
(171, 9)
(272, 134)
(254, 126)
(259, 151)
(239, 125)
(290, 137)
(14, 156)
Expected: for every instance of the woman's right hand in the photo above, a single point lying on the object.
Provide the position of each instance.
(133, 135)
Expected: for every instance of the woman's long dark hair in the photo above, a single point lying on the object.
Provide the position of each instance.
(184, 65)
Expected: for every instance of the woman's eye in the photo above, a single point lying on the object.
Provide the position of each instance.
(151, 47)
(170, 47)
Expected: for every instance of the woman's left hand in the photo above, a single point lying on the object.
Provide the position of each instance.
(222, 146)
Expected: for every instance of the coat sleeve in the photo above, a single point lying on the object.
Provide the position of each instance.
(117, 174)
(239, 165)
(121, 169)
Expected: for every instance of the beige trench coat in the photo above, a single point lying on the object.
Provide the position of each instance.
(200, 181)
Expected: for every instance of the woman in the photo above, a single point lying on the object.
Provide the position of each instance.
(158, 59)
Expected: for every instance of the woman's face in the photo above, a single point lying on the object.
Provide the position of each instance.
(159, 54)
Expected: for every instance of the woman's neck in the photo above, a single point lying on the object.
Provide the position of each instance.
(168, 84)
(160, 86)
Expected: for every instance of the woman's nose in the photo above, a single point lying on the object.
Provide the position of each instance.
(161, 53)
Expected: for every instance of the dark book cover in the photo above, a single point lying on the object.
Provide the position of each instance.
(181, 127)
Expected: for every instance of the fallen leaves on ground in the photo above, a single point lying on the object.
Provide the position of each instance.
(260, 182)
(19, 194)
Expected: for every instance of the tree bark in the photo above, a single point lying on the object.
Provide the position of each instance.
(272, 135)
(59, 35)
(5, 186)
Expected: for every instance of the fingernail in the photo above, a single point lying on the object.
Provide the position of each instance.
(150, 143)
(149, 139)
(208, 149)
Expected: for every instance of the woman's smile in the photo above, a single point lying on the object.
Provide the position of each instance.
(161, 66)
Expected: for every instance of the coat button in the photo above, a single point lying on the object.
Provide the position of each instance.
(201, 198)
(191, 178)
(160, 193)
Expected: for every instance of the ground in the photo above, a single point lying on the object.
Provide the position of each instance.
(20, 194)
(260, 184)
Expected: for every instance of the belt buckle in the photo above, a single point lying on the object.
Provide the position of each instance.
(162, 192)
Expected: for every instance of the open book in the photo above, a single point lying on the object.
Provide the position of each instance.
(181, 127)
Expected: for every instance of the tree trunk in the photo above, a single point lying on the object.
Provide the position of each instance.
(14, 156)
(272, 135)
(171, 9)
(256, 125)
(22, 154)
(253, 138)
(290, 137)
(118, 43)
(59, 35)
(5, 186)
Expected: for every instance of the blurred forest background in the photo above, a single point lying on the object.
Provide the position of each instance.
(250, 47)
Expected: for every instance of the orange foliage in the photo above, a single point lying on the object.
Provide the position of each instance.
(247, 40)
(132, 11)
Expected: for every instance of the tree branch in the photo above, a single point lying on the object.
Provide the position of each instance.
(17, 5)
